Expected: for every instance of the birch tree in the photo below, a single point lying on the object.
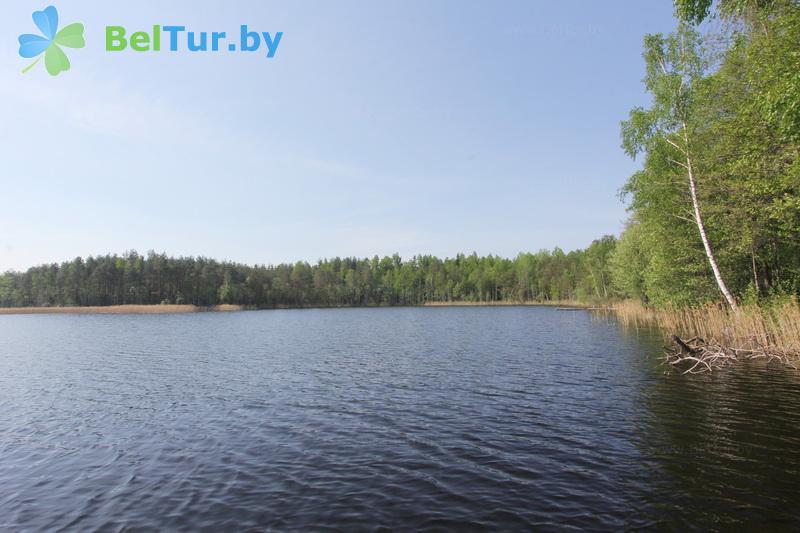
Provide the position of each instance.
(674, 68)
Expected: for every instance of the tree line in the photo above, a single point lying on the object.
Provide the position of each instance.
(133, 278)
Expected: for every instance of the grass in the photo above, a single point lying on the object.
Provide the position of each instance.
(117, 309)
(775, 328)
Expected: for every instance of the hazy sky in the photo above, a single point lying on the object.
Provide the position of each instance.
(378, 127)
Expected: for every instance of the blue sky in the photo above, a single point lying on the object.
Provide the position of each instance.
(378, 127)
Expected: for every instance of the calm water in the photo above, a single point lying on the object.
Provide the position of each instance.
(365, 419)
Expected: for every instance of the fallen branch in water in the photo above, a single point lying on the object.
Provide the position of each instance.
(698, 355)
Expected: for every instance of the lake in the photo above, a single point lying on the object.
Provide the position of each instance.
(476, 418)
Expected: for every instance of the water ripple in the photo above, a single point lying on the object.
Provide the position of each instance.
(381, 420)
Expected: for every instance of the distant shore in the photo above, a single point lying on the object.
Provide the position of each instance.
(176, 308)
(118, 309)
(507, 303)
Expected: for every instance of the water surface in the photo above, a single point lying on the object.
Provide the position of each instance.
(362, 419)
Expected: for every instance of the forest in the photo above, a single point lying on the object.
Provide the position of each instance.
(714, 212)
(156, 278)
(715, 209)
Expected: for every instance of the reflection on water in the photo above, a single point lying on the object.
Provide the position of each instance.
(727, 445)
(412, 418)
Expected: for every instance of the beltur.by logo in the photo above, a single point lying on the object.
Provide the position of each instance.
(202, 41)
(50, 42)
(174, 38)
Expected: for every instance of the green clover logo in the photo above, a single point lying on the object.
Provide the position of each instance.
(55, 60)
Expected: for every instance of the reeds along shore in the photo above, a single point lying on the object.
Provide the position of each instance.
(774, 329)
(160, 309)
(507, 303)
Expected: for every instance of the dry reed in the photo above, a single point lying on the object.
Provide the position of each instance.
(504, 303)
(716, 332)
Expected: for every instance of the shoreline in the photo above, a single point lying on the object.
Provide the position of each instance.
(558, 304)
(162, 309)
(754, 332)
(130, 309)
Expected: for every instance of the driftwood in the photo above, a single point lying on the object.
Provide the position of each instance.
(685, 348)
(697, 355)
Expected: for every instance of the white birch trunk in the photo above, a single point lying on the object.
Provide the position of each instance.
(701, 227)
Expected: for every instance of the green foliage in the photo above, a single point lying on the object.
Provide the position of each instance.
(156, 279)
(628, 263)
(742, 120)
(692, 11)
(696, 11)
(674, 66)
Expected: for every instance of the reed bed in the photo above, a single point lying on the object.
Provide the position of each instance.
(506, 303)
(714, 335)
